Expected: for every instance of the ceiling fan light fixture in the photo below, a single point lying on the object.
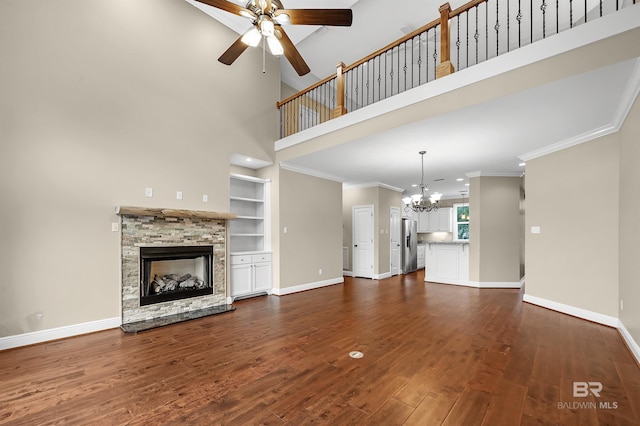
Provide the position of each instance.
(282, 18)
(266, 27)
(252, 37)
(274, 46)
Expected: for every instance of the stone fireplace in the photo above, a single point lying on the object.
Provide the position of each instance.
(173, 262)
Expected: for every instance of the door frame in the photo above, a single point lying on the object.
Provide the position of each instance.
(391, 247)
(370, 207)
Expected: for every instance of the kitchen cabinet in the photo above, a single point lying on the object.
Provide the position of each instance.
(441, 220)
(421, 255)
(447, 263)
(251, 274)
(423, 222)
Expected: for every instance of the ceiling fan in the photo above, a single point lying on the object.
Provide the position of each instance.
(267, 17)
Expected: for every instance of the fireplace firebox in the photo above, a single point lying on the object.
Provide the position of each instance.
(175, 272)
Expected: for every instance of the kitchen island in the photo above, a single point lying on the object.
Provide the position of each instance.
(447, 262)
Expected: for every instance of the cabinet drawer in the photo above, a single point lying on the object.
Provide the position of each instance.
(241, 259)
(265, 257)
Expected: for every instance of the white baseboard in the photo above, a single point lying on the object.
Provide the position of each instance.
(572, 310)
(633, 346)
(478, 284)
(309, 286)
(496, 284)
(58, 333)
(347, 273)
(382, 276)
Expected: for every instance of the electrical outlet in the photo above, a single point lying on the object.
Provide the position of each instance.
(205, 198)
(148, 192)
(114, 227)
(621, 305)
(179, 195)
(320, 271)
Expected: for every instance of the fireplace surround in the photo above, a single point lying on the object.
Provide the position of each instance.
(149, 235)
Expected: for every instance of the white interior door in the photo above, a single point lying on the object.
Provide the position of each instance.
(363, 241)
(394, 237)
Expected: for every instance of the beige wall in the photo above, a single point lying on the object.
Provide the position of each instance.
(573, 196)
(629, 224)
(382, 199)
(101, 99)
(311, 210)
(495, 229)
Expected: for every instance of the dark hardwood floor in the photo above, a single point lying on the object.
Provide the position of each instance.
(433, 354)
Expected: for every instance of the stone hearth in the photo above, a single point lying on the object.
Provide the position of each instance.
(142, 227)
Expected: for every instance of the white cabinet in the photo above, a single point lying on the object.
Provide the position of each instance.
(250, 236)
(441, 220)
(250, 274)
(421, 255)
(447, 263)
(423, 221)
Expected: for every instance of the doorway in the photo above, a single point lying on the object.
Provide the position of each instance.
(363, 241)
(395, 225)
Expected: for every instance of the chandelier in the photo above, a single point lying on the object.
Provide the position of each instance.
(421, 202)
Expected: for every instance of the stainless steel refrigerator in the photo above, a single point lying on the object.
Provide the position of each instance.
(409, 245)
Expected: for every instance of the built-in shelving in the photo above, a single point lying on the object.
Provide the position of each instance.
(249, 231)
(250, 237)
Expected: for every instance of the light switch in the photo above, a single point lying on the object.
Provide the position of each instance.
(285, 230)
(148, 192)
(205, 198)
(535, 229)
(179, 195)
(114, 227)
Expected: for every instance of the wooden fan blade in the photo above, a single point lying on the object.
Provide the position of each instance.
(233, 52)
(228, 7)
(332, 17)
(292, 53)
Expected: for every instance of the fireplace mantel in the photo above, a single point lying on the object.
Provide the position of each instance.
(160, 212)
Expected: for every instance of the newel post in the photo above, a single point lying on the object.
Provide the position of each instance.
(340, 108)
(445, 67)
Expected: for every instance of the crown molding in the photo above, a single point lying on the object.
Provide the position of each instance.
(311, 172)
(618, 119)
(347, 186)
(480, 173)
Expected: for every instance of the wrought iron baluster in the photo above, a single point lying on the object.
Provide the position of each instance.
(486, 32)
(508, 26)
(435, 53)
(543, 8)
(558, 17)
(419, 59)
(531, 21)
(570, 13)
(467, 37)
(519, 19)
(497, 28)
(405, 65)
(458, 43)
(477, 34)
(601, 7)
(585, 11)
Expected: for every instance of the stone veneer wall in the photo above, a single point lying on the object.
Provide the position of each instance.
(138, 231)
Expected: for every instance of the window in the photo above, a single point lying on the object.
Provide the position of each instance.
(461, 222)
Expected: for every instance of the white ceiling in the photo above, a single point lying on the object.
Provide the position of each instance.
(496, 134)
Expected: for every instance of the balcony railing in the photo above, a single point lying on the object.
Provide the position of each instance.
(460, 38)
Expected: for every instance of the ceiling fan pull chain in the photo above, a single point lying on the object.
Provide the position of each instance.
(264, 48)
